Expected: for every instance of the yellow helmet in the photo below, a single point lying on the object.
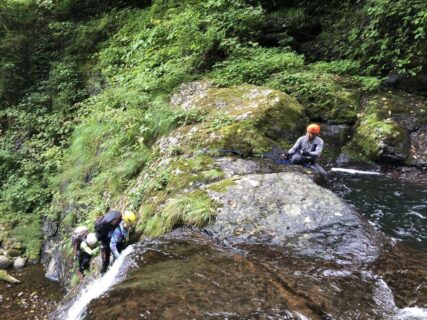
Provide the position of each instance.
(129, 217)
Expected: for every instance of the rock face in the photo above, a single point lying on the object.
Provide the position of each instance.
(393, 129)
(288, 209)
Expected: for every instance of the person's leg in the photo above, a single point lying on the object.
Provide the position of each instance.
(296, 158)
(105, 255)
(84, 261)
(319, 169)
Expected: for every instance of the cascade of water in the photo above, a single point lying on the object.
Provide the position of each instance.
(384, 298)
(353, 171)
(99, 286)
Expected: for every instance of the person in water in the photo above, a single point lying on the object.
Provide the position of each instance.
(117, 239)
(307, 149)
(88, 249)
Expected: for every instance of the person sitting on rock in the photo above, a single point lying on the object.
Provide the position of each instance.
(88, 249)
(308, 148)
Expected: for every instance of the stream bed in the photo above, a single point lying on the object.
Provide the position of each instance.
(35, 297)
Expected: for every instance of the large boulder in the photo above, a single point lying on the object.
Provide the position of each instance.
(392, 129)
(245, 118)
(288, 209)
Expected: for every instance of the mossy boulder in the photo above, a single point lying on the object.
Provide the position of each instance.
(13, 252)
(326, 97)
(382, 140)
(245, 118)
(341, 107)
(392, 128)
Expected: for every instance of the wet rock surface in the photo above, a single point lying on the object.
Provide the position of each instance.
(289, 209)
(405, 271)
(184, 275)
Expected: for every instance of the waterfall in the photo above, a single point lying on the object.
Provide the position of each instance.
(384, 298)
(97, 287)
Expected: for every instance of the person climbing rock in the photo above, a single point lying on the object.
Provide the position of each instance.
(120, 235)
(79, 234)
(105, 227)
(307, 149)
(88, 249)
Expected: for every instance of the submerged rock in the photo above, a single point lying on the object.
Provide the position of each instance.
(288, 209)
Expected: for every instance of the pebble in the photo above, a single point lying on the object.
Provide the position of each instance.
(20, 294)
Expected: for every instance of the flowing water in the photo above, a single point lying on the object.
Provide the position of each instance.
(394, 206)
(187, 275)
(75, 308)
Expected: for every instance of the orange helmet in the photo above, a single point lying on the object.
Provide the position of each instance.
(313, 128)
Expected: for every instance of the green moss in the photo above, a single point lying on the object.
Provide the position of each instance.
(195, 208)
(75, 280)
(222, 186)
(373, 133)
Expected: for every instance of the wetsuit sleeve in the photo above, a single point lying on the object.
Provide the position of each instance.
(116, 237)
(296, 146)
(319, 148)
(84, 247)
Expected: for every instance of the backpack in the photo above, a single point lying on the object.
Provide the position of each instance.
(107, 223)
(79, 234)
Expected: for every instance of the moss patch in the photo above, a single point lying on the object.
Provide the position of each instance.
(195, 208)
(221, 186)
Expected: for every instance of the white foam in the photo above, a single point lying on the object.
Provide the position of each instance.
(384, 298)
(354, 171)
(98, 287)
(414, 313)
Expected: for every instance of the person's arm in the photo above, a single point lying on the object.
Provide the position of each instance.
(296, 146)
(84, 247)
(319, 148)
(116, 237)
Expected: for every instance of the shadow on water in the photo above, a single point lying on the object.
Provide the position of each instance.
(394, 206)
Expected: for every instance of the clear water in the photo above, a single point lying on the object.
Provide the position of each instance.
(396, 207)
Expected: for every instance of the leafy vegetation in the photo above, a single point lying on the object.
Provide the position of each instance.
(85, 88)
